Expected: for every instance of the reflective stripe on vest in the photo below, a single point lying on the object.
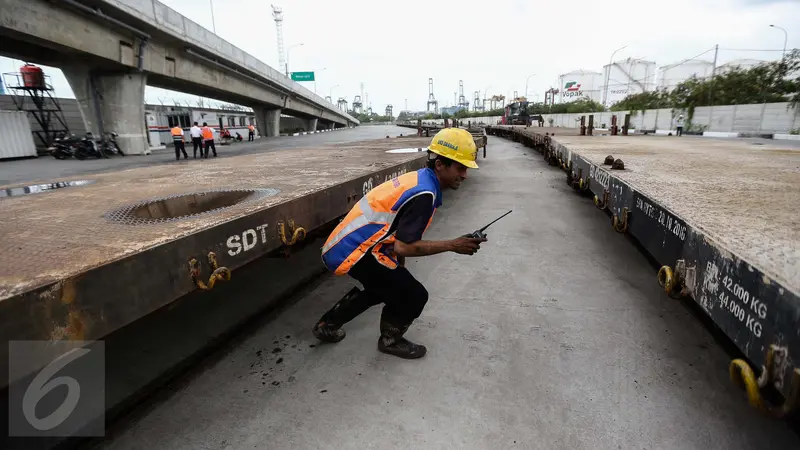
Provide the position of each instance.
(368, 223)
(207, 133)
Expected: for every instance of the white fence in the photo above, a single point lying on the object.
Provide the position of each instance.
(492, 120)
(766, 118)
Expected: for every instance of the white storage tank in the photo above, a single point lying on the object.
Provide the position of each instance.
(742, 64)
(579, 84)
(672, 75)
(628, 76)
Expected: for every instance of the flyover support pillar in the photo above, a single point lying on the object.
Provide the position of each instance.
(268, 121)
(311, 125)
(112, 102)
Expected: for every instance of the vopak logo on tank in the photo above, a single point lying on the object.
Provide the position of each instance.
(572, 89)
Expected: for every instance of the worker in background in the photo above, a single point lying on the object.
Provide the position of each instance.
(383, 228)
(679, 122)
(177, 139)
(251, 133)
(197, 139)
(226, 135)
(208, 140)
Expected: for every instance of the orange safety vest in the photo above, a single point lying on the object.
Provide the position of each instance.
(367, 225)
(177, 132)
(251, 128)
(208, 134)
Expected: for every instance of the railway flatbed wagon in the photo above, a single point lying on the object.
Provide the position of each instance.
(166, 231)
(720, 218)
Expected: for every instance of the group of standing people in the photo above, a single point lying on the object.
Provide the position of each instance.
(202, 138)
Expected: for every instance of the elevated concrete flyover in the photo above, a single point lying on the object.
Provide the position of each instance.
(110, 49)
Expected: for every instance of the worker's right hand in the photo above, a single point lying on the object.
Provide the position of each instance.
(466, 245)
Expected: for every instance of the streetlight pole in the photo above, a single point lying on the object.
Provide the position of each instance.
(287, 56)
(785, 38)
(526, 84)
(330, 93)
(315, 79)
(608, 73)
(213, 25)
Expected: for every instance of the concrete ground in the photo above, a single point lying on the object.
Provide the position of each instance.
(46, 168)
(554, 336)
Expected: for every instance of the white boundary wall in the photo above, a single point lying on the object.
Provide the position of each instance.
(764, 118)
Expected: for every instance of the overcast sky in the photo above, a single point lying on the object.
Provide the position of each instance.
(394, 47)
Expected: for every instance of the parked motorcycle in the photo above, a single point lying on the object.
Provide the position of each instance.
(109, 146)
(88, 148)
(64, 146)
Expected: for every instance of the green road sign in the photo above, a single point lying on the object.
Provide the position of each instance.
(303, 76)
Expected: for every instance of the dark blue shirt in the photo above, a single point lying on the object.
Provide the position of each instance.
(412, 219)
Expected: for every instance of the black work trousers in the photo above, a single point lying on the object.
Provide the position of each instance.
(403, 296)
(209, 144)
(179, 147)
(198, 143)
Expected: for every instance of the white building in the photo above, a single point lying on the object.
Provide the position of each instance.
(579, 84)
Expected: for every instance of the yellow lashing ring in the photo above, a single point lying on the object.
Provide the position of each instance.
(620, 225)
(217, 274)
(666, 278)
(604, 203)
(744, 377)
(298, 233)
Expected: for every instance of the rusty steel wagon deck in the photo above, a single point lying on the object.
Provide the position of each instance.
(719, 215)
(82, 259)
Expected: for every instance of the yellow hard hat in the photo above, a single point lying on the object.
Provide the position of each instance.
(456, 144)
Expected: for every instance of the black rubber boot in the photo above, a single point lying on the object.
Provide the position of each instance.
(329, 327)
(392, 342)
(328, 333)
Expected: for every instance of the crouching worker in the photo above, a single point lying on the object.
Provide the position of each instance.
(372, 242)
